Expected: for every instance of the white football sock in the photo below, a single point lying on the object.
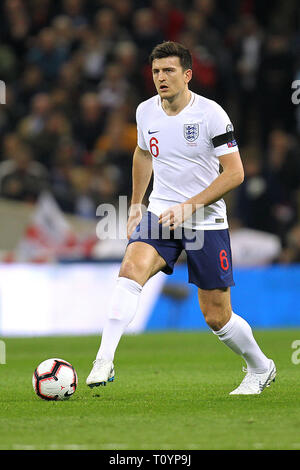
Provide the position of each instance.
(237, 335)
(123, 309)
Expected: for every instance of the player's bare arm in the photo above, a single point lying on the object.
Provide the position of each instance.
(231, 177)
(141, 175)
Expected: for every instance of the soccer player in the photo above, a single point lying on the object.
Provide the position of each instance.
(183, 138)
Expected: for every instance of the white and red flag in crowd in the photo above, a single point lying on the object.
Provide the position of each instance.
(49, 237)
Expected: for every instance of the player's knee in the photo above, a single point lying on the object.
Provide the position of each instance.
(214, 323)
(128, 269)
(137, 270)
(216, 316)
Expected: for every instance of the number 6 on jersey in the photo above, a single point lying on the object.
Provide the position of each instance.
(154, 147)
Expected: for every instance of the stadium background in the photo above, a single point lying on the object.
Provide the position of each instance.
(74, 73)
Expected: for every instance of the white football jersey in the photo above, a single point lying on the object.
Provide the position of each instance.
(185, 150)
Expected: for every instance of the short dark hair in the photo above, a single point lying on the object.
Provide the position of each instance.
(170, 48)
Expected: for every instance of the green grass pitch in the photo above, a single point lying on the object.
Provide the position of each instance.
(171, 392)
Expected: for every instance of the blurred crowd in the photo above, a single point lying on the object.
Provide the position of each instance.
(75, 71)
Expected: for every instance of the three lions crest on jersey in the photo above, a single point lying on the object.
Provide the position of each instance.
(191, 132)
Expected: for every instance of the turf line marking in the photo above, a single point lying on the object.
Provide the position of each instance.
(258, 445)
(23, 447)
(113, 445)
(50, 447)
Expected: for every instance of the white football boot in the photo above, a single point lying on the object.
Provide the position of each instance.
(102, 372)
(254, 384)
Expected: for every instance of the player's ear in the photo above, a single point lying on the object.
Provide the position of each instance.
(188, 75)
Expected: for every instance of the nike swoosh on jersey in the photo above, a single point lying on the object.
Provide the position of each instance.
(152, 132)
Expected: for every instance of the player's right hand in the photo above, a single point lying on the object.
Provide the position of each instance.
(135, 216)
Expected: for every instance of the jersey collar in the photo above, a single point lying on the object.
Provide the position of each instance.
(190, 103)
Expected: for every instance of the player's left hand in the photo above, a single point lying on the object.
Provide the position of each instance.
(175, 215)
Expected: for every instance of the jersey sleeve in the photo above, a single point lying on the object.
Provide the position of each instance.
(221, 132)
(140, 137)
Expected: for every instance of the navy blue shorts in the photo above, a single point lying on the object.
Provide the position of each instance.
(208, 252)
